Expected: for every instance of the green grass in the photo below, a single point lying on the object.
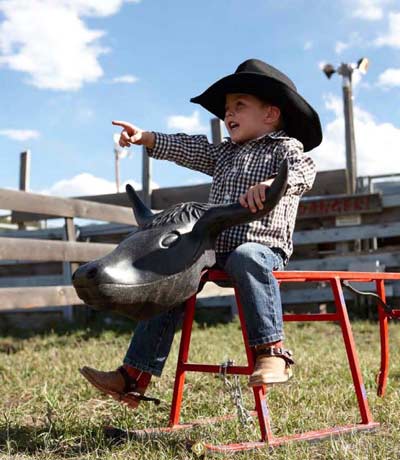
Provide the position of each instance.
(48, 411)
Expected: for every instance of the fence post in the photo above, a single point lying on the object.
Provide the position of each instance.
(146, 178)
(24, 176)
(216, 131)
(69, 267)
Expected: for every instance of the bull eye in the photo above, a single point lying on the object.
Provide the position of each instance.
(169, 240)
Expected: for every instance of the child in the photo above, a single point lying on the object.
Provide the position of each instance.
(267, 121)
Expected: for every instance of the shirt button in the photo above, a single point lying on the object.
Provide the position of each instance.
(234, 170)
(227, 197)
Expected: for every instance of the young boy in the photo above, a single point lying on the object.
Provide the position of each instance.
(268, 121)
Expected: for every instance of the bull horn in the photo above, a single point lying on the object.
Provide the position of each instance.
(219, 218)
(143, 214)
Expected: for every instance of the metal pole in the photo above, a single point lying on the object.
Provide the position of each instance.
(25, 171)
(351, 159)
(146, 177)
(216, 131)
(116, 169)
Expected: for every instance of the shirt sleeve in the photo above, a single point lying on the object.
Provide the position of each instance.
(302, 169)
(194, 152)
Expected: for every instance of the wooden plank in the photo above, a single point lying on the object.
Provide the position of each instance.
(33, 297)
(336, 234)
(391, 201)
(63, 207)
(320, 294)
(163, 198)
(85, 231)
(47, 250)
(331, 182)
(32, 281)
(342, 262)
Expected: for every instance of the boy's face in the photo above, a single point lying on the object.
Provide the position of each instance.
(247, 117)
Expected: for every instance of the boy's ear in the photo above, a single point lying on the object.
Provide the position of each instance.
(273, 114)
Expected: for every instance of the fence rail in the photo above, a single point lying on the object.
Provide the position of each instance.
(63, 207)
(69, 252)
(379, 218)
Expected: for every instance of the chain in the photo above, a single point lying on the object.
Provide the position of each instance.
(235, 392)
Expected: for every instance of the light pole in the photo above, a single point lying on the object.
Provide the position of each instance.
(119, 152)
(346, 71)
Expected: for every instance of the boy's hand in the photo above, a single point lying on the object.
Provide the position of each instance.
(131, 134)
(255, 196)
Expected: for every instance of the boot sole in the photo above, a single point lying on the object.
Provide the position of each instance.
(259, 381)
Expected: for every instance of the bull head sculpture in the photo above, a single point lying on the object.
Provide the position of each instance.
(159, 266)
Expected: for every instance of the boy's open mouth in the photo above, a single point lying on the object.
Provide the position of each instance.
(232, 125)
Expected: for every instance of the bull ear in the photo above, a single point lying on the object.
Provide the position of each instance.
(142, 213)
(218, 218)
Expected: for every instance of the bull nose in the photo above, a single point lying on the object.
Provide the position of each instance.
(84, 273)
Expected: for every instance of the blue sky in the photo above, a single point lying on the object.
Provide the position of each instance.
(68, 67)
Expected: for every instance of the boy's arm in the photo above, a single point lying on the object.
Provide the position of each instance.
(302, 172)
(194, 152)
(302, 168)
(301, 176)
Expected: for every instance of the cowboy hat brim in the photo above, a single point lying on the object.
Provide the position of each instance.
(300, 119)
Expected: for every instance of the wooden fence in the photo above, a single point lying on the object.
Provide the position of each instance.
(70, 252)
(360, 233)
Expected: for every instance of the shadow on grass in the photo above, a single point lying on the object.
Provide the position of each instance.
(30, 440)
(33, 440)
(90, 324)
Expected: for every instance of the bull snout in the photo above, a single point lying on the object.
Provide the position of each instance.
(85, 274)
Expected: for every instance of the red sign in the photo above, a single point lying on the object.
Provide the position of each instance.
(339, 205)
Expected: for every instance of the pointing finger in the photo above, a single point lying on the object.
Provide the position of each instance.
(123, 124)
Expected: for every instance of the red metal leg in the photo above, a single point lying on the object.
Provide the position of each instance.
(384, 335)
(182, 360)
(359, 387)
(261, 391)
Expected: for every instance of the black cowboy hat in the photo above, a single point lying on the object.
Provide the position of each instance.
(264, 81)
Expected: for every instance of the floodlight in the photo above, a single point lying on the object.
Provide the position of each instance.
(362, 65)
(328, 70)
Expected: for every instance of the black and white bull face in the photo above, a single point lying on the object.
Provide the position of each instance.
(159, 266)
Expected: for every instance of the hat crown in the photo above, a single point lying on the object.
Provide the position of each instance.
(262, 68)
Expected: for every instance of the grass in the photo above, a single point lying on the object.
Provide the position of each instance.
(47, 410)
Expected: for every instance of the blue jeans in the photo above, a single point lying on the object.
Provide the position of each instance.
(250, 268)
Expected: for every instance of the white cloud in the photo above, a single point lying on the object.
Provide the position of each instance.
(86, 184)
(371, 10)
(20, 134)
(389, 78)
(340, 47)
(49, 41)
(125, 79)
(189, 125)
(377, 144)
(308, 45)
(392, 37)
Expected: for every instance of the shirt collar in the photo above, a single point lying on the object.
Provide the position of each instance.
(279, 134)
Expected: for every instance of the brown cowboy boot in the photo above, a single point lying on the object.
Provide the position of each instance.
(120, 384)
(272, 366)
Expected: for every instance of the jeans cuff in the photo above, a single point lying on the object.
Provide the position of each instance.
(143, 367)
(266, 339)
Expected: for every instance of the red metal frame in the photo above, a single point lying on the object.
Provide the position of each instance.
(261, 408)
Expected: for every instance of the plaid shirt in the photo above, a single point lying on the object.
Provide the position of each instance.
(236, 167)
